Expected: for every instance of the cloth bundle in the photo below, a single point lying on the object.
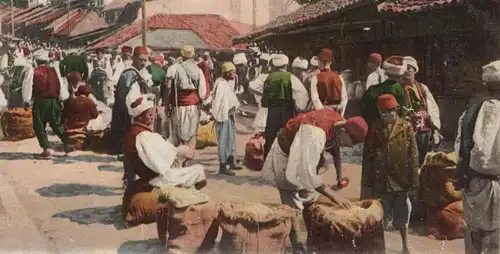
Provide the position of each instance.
(206, 135)
(254, 152)
(18, 124)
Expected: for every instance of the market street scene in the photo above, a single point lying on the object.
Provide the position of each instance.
(249, 126)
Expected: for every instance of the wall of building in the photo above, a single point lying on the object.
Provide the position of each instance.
(237, 10)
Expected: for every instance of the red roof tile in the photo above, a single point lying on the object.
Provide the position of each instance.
(67, 25)
(50, 16)
(214, 30)
(89, 23)
(31, 13)
(306, 13)
(16, 13)
(43, 12)
(399, 6)
(242, 28)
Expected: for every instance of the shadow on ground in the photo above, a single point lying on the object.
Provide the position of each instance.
(110, 215)
(110, 168)
(241, 177)
(16, 156)
(151, 246)
(75, 189)
(91, 158)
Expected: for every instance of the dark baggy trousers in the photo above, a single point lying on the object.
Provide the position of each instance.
(277, 117)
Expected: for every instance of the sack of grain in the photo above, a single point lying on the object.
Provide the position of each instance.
(18, 124)
(98, 141)
(206, 135)
(187, 220)
(356, 230)
(140, 202)
(436, 180)
(76, 139)
(254, 227)
(254, 152)
(446, 222)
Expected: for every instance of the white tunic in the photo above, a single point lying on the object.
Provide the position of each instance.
(27, 86)
(317, 102)
(298, 170)
(376, 77)
(482, 203)
(224, 101)
(161, 160)
(257, 86)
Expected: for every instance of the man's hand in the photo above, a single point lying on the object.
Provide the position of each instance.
(437, 137)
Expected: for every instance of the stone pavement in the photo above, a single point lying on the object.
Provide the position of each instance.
(74, 203)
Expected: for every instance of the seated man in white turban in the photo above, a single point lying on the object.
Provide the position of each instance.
(150, 156)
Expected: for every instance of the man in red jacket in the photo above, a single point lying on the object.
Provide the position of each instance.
(292, 164)
(44, 87)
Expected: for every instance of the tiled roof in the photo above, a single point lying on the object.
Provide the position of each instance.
(64, 24)
(31, 13)
(41, 13)
(169, 39)
(17, 12)
(117, 4)
(306, 13)
(399, 6)
(48, 17)
(90, 22)
(214, 30)
(242, 28)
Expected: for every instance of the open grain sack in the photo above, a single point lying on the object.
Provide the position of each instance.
(446, 222)
(254, 152)
(355, 230)
(436, 180)
(187, 220)
(206, 135)
(140, 202)
(18, 124)
(254, 227)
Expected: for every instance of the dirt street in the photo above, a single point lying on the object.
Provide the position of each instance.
(74, 203)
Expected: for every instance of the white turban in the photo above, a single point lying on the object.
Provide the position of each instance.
(42, 55)
(265, 57)
(410, 61)
(240, 58)
(280, 60)
(314, 61)
(491, 72)
(395, 66)
(140, 104)
(300, 63)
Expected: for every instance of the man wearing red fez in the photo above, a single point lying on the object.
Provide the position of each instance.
(79, 109)
(376, 73)
(185, 92)
(303, 140)
(328, 90)
(390, 169)
(45, 88)
(134, 81)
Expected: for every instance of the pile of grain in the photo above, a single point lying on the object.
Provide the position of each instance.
(181, 197)
(255, 212)
(362, 216)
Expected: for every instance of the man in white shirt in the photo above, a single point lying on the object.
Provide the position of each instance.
(377, 74)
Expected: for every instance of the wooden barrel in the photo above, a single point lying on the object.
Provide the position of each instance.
(76, 139)
(18, 124)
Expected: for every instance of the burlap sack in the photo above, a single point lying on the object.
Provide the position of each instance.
(254, 227)
(447, 222)
(436, 181)
(140, 202)
(76, 139)
(206, 135)
(18, 124)
(333, 229)
(186, 223)
(254, 152)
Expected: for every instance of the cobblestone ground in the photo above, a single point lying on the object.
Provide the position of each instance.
(74, 202)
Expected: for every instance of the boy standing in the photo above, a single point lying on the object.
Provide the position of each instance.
(391, 168)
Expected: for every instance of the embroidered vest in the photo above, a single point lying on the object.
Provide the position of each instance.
(277, 89)
(329, 87)
(132, 156)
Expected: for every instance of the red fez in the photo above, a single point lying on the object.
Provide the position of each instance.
(57, 55)
(159, 59)
(74, 77)
(356, 128)
(26, 52)
(325, 55)
(51, 55)
(376, 58)
(386, 102)
(83, 90)
(126, 49)
(140, 50)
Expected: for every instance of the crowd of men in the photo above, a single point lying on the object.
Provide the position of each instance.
(150, 102)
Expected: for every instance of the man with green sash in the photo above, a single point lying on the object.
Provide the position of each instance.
(283, 93)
